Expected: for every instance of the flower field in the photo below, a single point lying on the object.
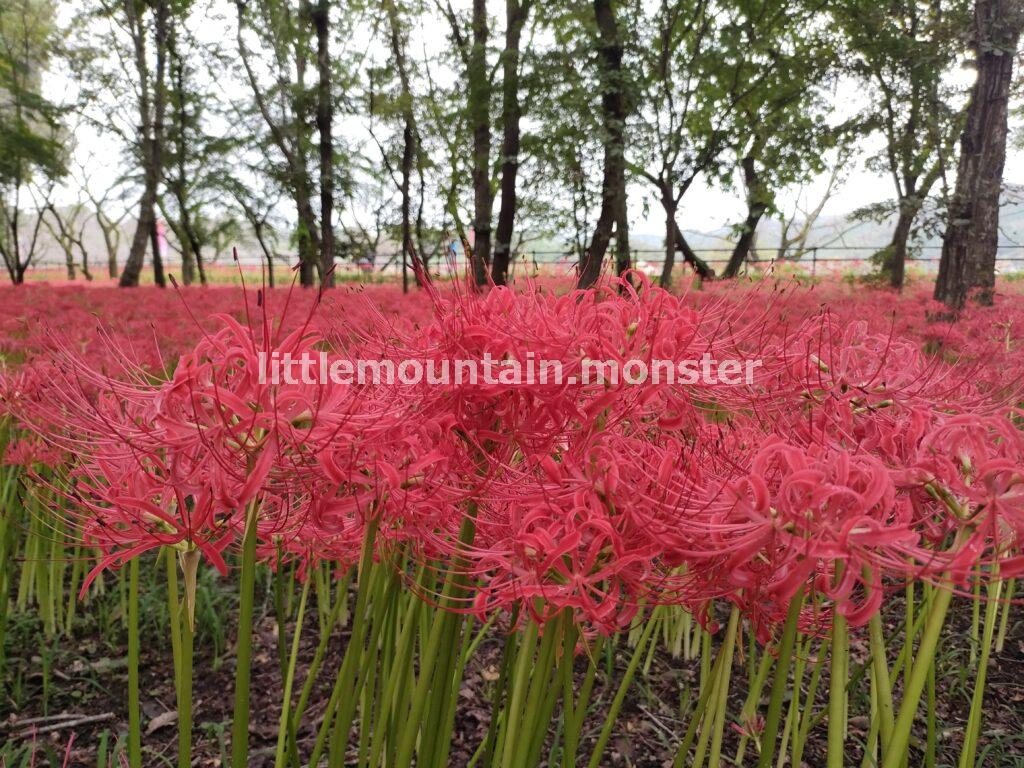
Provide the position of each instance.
(818, 566)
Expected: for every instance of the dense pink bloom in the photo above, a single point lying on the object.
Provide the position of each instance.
(868, 449)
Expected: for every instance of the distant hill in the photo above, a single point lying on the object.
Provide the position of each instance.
(842, 237)
(836, 237)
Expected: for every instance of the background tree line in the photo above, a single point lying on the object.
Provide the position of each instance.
(322, 127)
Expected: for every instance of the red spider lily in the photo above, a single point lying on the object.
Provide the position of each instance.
(803, 517)
(130, 505)
(31, 451)
(853, 452)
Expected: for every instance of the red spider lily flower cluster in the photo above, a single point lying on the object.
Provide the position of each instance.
(854, 460)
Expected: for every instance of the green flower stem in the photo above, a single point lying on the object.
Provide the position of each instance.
(705, 657)
(620, 696)
(565, 675)
(444, 743)
(184, 685)
(806, 716)
(749, 708)
(318, 658)
(542, 695)
(243, 657)
(286, 699)
(420, 698)
(976, 615)
(780, 681)
(11, 511)
(392, 693)
(1004, 622)
(383, 593)
(789, 724)
(174, 615)
(697, 716)
(708, 715)
(353, 651)
(487, 748)
(134, 707)
(932, 732)
(973, 730)
(76, 572)
(582, 704)
(520, 678)
(440, 690)
(870, 759)
(909, 626)
(728, 646)
(880, 678)
(893, 756)
(450, 592)
(837, 698)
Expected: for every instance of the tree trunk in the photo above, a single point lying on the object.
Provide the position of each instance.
(480, 121)
(516, 14)
(324, 124)
(188, 264)
(756, 207)
(190, 248)
(291, 145)
(85, 264)
(674, 241)
(972, 232)
(308, 246)
(191, 243)
(158, 259)
(690, 257)
(111, 240)
(137, 251)
(425, 256)
(623, 257)
(613, 184)
(894, 261)
(410, 149)
(151, 132)
(257, 228)
(665, 281)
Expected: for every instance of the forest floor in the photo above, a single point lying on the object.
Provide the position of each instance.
(87, 678)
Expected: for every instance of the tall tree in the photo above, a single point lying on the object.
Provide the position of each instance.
(613, 218)
(779, 128)
(320, 15)
(257, 208)
(410, 138)
(476, 70)
(187, 154)
(31, 153)
(516, 14)
(479, 82)
(780, 140)
(666, 147)
(284, 108)
(561, 161)
(145, 29)
(110, 225)
(902, 51)
(712, 74)
(969, 247)
(67, 227)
